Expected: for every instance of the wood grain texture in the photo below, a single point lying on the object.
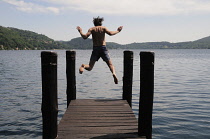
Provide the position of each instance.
(98, 119)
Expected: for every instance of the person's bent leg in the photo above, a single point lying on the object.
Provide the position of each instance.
(90, 66)
(112, 69)
(87, 67)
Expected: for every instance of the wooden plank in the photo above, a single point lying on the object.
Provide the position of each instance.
(100, 136)
(98, 119)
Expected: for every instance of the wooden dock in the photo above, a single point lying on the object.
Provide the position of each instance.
(98, 119)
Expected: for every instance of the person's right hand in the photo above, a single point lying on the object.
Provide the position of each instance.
(120, 28)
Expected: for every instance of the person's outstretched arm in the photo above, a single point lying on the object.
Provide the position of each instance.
(84, 36)
(113, 32)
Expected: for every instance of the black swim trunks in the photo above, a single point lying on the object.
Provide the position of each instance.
(100, 51)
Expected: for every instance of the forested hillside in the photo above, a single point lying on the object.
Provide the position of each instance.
(17, 39)
(12, 38)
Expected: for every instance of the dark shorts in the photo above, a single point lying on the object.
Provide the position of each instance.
(100, 51)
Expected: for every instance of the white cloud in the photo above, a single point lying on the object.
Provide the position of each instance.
(32, 7)
(118, 7)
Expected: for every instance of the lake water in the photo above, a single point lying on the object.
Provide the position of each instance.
(181, 99)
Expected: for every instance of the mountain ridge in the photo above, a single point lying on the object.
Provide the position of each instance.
(13, 38)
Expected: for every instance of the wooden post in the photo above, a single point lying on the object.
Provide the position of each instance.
(128, 77)
(70, 74)
(49, 94)
(146, 94)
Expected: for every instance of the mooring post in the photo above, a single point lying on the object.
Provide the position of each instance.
(146, 94)
(70, 75)
(49, 94)
(128, 77)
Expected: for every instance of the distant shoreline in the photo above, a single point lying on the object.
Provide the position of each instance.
(17, 39)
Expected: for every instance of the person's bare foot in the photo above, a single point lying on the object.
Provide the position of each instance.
(115, 79)
(81, 69)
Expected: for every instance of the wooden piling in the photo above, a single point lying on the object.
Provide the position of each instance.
(49, 94)
(128, 77)
(70, 75)
(146, 94)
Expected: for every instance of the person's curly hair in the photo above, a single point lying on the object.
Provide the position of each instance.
(98, 21)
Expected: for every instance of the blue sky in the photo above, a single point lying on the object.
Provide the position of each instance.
(143, 20)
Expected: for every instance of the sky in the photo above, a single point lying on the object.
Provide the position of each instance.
(142, 20)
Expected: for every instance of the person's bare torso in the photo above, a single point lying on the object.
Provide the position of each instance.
(98, 35)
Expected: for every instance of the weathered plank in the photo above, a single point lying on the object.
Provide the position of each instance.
(98, 119)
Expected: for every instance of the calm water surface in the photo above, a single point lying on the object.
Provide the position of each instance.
(181, 100)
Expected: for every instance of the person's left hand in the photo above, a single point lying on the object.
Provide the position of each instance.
(79, 28)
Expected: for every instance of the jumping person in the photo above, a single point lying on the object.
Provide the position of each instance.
(99, 46)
